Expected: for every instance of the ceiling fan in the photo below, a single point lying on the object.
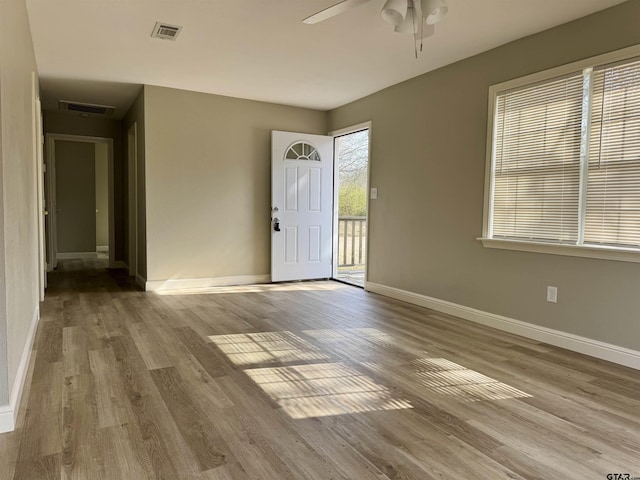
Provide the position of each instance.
(414, 17)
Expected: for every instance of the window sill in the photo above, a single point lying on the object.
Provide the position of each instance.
(603, 253)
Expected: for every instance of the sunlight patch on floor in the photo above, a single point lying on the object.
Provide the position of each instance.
(267, 347)
(324, 389)
(448, 378)
(360, 336)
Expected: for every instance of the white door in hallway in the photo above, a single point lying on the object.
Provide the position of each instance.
(301, 206)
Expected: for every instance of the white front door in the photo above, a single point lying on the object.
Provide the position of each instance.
(301, 206)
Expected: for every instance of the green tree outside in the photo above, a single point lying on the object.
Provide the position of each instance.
(353, 156)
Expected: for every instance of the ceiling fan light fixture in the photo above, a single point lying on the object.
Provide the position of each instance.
(433, 11)
(409, 25)
(394, 12)
(427, 31)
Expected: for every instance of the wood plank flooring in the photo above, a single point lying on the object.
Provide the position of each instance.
(303, 381)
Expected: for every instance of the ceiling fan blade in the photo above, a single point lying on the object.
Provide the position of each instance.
(333, 10)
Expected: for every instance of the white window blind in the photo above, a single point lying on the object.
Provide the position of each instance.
(613, 187)
(565, 160)
(536, 161)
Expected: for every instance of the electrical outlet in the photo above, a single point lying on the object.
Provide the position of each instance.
(552, 294)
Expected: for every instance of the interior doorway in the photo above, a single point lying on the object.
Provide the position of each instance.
(351, 157)
(80, 198)
(132, 166)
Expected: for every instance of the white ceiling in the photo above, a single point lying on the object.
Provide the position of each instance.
(100, 51)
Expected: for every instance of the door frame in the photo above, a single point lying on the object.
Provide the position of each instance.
(38, 140)
(339, 133)
(132, 169)
(51, 139)
(42, 212)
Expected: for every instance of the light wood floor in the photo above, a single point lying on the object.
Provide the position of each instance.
(304, 381)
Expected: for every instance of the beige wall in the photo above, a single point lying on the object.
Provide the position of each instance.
(18, 227)
(208, 179)
(428, 161)
(75, 196)
(71, 124)
(136, 115)
(102, 194)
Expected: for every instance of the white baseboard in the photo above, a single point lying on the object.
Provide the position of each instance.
(7, 420)
(189, 283)
(102, 248)
(141, 281)
(9, 413)
(594, 348)
(76, 255)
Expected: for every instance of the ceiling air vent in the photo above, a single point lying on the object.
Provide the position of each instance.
(87, 108)
(166, 31)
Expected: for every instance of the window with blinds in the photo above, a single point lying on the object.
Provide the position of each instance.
(565, 159)
(613, 185)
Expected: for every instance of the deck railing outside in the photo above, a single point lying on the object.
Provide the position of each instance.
(352, 241)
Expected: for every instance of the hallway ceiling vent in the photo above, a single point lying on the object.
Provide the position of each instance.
(86, 109)
(165, 31)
